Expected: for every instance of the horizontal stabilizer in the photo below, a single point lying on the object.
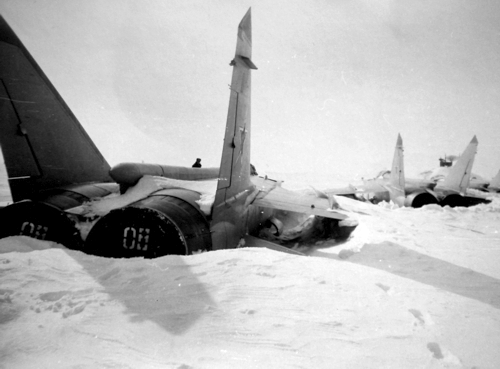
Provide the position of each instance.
(248, 62)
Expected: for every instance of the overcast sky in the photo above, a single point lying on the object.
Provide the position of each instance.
(337, 80)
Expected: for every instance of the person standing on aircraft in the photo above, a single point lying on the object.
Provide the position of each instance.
(197, 164)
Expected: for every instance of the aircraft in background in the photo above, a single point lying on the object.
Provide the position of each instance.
(494, 185)
(393, 186)
(58, 178)
(438, 174)
(452, 190)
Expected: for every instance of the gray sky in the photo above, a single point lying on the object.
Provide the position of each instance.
(337, 80)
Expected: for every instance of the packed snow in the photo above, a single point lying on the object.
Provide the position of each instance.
(412, 288)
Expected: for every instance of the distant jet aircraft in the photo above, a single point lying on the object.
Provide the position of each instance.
(419, 192)
(393, 186)
(54, 170)
(438, 174)
(494, 185)
(452, 190)
(478, 183)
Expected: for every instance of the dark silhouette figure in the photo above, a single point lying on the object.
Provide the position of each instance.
(197, 164)
(445, 162)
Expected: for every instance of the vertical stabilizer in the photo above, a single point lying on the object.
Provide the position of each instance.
(43, 144)
(457, 181)
(234, 183)
(397, 180)
(235, 162)
(495, 183)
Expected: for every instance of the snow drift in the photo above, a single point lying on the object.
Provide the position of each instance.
(411, 288)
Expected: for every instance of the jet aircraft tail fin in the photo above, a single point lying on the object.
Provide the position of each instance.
(457, 180)
(397, 180)
(234, 184)
(43, 144)
(495, 183)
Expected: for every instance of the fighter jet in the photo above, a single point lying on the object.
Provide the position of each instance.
(476, 182)
(451, 191)
(65, 191)
(494, 185)
(391, 185)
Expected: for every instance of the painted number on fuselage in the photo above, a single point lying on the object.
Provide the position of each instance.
(34, 230)
(136, 239)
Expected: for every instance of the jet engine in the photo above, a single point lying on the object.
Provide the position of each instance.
(45, 217)
(455, 200)
(168, 222)
(419, 199)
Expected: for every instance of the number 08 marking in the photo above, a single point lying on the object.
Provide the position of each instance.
(37, 231)
(136, 239)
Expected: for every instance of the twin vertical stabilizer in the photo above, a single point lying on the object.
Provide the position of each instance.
(397, 180)
(457, 181)
(494, 185)
(234, 185)
(43, 144)
(235, 162)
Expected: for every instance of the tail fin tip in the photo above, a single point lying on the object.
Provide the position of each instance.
(246, 24)
(399, 142)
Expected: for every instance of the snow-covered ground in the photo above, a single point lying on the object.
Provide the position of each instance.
(412, 288)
